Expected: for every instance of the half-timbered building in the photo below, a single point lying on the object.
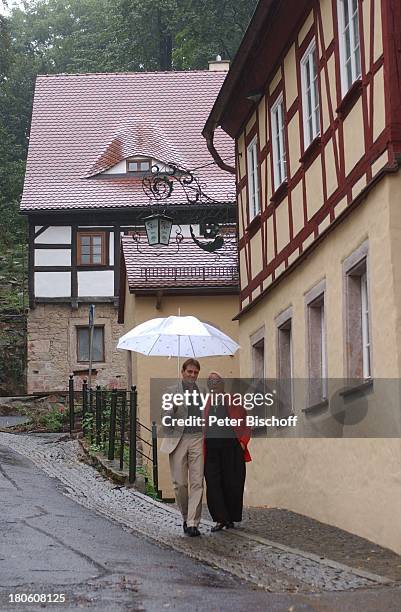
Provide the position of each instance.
(312, 100)
(93, 139)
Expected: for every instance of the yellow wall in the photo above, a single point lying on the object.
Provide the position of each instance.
(352, 483)
(217, 310)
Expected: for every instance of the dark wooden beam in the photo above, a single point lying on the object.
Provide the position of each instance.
(31, 264)
(74, 273)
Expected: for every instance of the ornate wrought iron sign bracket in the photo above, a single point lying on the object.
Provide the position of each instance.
(174, 187)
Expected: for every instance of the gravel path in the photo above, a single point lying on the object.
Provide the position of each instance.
(274, 567)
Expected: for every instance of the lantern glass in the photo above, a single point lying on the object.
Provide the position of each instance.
(165, 230)
(158, 229)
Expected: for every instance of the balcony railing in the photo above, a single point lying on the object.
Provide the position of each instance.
(190, 272)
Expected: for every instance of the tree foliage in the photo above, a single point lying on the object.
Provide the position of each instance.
(74, 36)
(51, 36)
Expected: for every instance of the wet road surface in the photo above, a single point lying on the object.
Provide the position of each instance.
(49, 544)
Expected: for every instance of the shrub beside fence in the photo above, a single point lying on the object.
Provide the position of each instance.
(109, 421)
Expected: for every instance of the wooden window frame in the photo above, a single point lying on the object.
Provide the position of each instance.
(285, 361)
(139, 161)
(258, 353)
(79, 327)
(312, 121)
(105, 249)
(316, 344)
(355, 51)
(358, 332)
(253, 179)
(280, 174)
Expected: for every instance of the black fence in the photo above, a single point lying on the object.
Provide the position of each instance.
(108, 419)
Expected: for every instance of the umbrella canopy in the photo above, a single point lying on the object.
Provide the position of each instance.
(177, 337)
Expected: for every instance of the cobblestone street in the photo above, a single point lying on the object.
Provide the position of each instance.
(267, 573)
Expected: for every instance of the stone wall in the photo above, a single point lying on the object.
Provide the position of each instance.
(52, 348)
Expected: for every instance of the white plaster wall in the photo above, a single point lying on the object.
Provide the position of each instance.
(52, 257)
(52, 284)
(55, 235)
(99, 283)
(119, 168)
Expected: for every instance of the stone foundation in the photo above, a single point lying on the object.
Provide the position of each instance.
(52, 348)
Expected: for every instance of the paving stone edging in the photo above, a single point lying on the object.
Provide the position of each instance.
(275, 567)
(110, 469)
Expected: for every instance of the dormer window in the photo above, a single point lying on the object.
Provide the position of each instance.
(137, 165)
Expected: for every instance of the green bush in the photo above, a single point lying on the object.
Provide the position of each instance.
(55, 419)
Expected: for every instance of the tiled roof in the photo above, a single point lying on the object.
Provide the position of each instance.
(84, 124)
(152, 268)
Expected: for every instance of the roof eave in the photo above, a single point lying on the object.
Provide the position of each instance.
(234, 74)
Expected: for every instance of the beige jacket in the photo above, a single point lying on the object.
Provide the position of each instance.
(173, 435)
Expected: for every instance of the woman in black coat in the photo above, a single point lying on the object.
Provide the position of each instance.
(226, 452)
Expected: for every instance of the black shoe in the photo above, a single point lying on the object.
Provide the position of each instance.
(218, 527)
(193, 532)
(230, 525)
(184, 526)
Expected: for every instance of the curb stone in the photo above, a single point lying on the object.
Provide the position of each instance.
(110, 469)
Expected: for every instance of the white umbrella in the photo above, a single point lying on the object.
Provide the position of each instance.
(177, 337)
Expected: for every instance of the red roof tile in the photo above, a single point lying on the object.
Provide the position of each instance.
(84, 124)
(153, 268)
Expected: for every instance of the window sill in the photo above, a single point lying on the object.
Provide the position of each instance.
(89, 267)
(254, 225)
(316, 407)
(280, 193)
(83, 370)
(285, 416)
(365, 385)
(350, 99)
(311, 151)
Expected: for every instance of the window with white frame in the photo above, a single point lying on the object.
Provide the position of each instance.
(310, 95)
(358, 340)
(366, 367)
(253, 179)
(285, 367)
(258, 355)
(316, 344)
(350, 51)
(278, 137)
(259, 384)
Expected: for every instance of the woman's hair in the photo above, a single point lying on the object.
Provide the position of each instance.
(216, 374)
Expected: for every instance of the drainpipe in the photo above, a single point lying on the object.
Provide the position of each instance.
(209, 135)
(217, 65)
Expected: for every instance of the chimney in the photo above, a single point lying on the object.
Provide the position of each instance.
(219, 65)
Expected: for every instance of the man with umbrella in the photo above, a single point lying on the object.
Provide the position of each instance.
(183, 337)
(185, 449)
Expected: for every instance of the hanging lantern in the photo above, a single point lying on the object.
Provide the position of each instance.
(158, 229)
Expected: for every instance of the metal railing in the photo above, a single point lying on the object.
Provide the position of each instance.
(198, 272)
(109, 420)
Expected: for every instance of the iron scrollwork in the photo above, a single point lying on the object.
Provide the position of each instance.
(162, 183)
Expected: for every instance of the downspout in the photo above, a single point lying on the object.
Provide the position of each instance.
(209, 135)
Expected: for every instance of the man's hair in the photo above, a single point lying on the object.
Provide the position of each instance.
(190, 362)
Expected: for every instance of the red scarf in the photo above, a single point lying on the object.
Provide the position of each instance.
(242, 431)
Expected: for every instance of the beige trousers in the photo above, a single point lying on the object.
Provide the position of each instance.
(186, 466)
